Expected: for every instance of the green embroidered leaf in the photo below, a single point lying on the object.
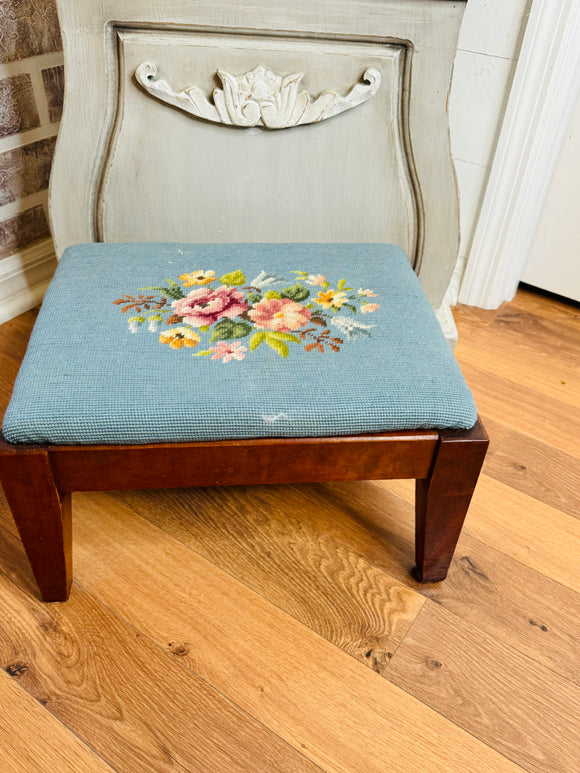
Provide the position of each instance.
(173, 291)
(202, 354)
(253, 298)
(277, 345)
(139, 320)
(235, 279)
(295, 293)
(272, 294)
(350, 306)
(227, 329)
(203, 328)
(341, 284)
(284, 337)
(300, 273)
(347, 289)
(256, 340)
(310, 305)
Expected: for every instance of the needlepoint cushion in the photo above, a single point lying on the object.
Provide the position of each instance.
(145, 343)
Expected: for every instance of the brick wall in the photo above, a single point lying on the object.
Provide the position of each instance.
(31, 95)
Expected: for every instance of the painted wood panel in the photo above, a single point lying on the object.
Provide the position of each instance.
(193, 181)
(381, 172)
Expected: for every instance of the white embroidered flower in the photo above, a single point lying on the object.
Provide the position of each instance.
(367, 293)
(135, 323)
(264, 280)
(352, 329)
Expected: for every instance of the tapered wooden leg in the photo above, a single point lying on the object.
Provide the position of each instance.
(42, 515)
(443, 498)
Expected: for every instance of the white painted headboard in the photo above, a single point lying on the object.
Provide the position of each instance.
(173, 115)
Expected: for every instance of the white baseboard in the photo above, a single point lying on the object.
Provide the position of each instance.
(24, 277)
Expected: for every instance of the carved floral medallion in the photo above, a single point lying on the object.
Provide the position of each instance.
(258, 98)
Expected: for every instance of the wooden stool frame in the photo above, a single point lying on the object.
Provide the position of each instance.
(38, 482)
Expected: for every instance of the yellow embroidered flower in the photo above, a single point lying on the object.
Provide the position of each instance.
(330, 298)
(197, 278)
(368, 307)
(179, 337)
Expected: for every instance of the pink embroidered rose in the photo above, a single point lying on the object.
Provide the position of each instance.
(226, 352)
(280, 314)
(205, 306)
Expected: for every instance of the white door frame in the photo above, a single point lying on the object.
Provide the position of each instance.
(541, 100)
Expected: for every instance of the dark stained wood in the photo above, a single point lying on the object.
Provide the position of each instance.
(240, 462)
(43, 516)
(442, 500)
(237, 462)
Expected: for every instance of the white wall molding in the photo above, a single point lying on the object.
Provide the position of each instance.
(539, 107)
(24, 278)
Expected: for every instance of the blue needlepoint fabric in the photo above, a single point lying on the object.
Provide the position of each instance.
(143, 343)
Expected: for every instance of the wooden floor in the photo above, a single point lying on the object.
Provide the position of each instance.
(278, 628)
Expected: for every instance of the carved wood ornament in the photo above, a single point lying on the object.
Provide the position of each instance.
(258, 98)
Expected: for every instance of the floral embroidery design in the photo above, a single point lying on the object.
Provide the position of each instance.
(270, 309)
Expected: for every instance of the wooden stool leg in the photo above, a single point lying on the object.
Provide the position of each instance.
(443, 498)
(43, 517)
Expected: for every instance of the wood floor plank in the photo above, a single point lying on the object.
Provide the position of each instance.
(542, 472)
(303, 688)
(541, 334)
(533, 533)
(528, 713)
(131, 701)
(510, 358)
(546, 306)
(324, 585)
(547, 420)
(520, 607)
(16, 332)
(32, 740)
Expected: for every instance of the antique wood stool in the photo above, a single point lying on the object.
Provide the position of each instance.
(257, 215)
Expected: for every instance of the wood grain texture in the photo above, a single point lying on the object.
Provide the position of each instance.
(43, 516)
(535, 534)
(238, 462)
(133, 702)
(520, 607)
(508, 356)
(543, 335)
(310, 693)
(325, 585)
(549, 421)
(443, 498)
(528, 713)
(46, 745)
(545, 306)
(538, 470)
